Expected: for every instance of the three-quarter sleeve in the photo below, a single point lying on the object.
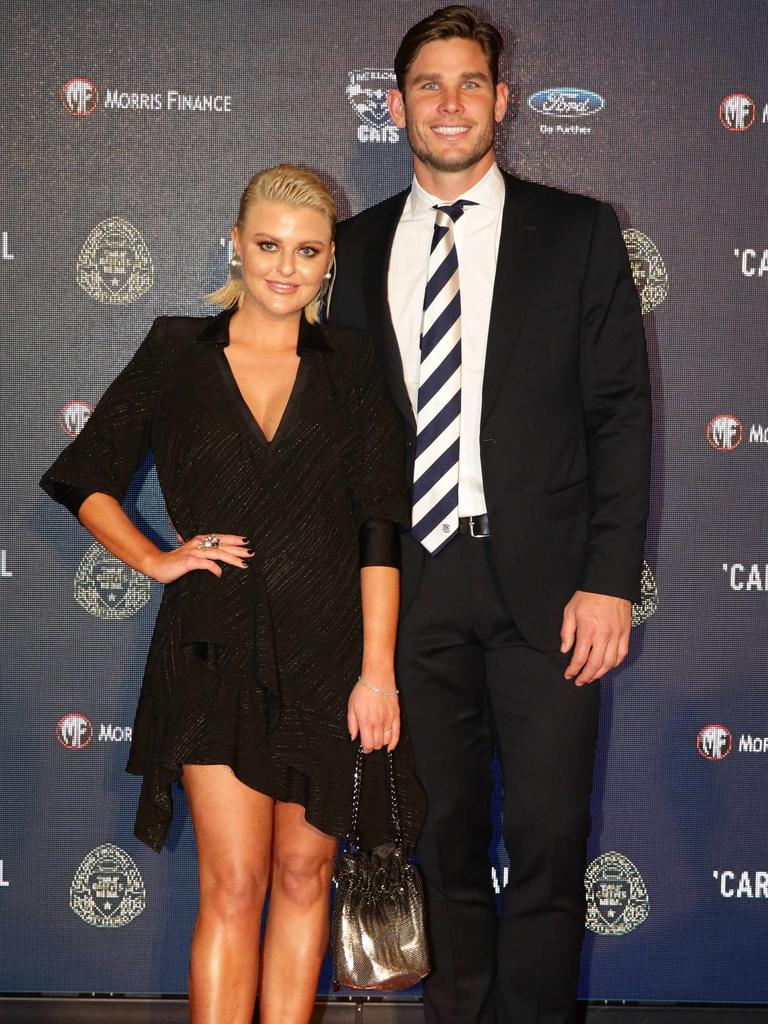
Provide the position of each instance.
(377, 471)
(115, 440)
(379, 543)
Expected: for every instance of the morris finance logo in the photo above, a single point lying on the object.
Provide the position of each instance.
(617, 898)
(73, 416)
(714, 742)
(79, 96)
(737, 112)
(114, 265)
(74, 731)
(367, 90)
(109, 733)
(107, 588)
(107, 890)
(567, 103)
(648, 269)
(725, 432)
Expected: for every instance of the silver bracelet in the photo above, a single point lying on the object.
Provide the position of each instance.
(387, 693)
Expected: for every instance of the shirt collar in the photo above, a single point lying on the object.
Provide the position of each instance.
(216, 332)
(488, 192)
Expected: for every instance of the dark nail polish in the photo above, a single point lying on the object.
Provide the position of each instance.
(249, 551)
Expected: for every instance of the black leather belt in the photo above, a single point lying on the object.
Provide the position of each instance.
(475, 526)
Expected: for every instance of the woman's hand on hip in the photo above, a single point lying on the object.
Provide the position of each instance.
(372, 716)
(167, 566)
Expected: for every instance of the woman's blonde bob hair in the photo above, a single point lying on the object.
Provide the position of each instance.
(294, 186)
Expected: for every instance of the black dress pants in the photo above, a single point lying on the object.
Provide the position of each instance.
(469, 683)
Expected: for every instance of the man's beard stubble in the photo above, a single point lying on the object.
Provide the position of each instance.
(461, 162)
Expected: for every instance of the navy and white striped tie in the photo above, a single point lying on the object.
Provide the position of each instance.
(438, 413)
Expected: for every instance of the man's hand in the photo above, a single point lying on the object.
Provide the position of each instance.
(600, 626)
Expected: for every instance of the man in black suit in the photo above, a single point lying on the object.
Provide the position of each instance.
(510, 333)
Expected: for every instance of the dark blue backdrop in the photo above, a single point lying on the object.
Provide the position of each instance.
(157, 114)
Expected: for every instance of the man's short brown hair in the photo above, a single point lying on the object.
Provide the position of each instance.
(453, 22)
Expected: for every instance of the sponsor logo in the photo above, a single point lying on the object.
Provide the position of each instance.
(79, 96)
(753, 744)
(746, 577)
(107, 890)
(74, 731)
(725, 432)
(752, 262)
(73, 416)
(714, 742)
(171, 99)
(649, 597)
(4, 883)
(617, 898)
(751, 885)
(367, 90)
(648, 269)
(114, 265)
(737, 112)
(107, 588)
(109, 733)
(5, 572)
(566, 103)
(5, 252)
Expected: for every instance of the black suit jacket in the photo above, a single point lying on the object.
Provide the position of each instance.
(566, 416)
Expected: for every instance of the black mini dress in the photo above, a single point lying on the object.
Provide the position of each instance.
(254, 669)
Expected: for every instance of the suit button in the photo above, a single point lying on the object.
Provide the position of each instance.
(487, 440)
(409, 444)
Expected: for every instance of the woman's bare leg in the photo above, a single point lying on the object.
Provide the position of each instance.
(233, 829)
(297, 919)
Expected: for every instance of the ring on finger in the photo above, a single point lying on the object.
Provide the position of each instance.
(386, 732)
(209, 541)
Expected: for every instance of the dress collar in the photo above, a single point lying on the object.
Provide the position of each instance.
(216, 333)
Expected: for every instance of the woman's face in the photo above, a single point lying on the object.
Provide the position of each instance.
(286, 251)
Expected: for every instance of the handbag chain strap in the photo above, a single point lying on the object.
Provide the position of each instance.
(394, 806)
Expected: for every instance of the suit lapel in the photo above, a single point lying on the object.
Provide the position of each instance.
(514, 270)
(377, 304)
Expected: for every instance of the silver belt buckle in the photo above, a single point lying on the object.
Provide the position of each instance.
(472, 527)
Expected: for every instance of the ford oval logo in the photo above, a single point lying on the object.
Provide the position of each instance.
(565, 101)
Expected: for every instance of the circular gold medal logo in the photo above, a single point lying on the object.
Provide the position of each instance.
(617, 899)
(107, 890)
(107, 588)
(648, 270)
(114, 265)
(648, 604)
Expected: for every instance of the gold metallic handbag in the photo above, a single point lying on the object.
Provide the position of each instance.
(378, 937)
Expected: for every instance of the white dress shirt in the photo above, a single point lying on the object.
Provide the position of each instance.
(476, 235)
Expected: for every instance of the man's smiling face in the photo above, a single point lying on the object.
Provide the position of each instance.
(450, 105)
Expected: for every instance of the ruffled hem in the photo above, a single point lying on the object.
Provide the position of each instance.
(298, 760)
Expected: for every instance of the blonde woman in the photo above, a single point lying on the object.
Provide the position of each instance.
(280, 460)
